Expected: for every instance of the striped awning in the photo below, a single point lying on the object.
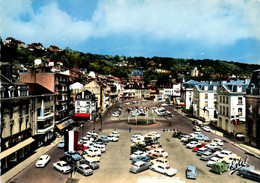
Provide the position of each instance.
(79, 115)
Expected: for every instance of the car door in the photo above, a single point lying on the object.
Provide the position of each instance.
(160, 169)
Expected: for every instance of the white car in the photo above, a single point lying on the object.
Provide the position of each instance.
(164, 104)
(206, 128)
(62, 166)
(112, 138)
(165, 154)
(115, 134)
(225, 153)
(101, 147)
(156, 134)
(185, 138)
(196, 128)
(138, 153)
(212, 145)
(192, 144)
(213, 160)
(43, 161)
(218, 141)
(93, 150)
(115, 114)
(164, 169)
(88, 144)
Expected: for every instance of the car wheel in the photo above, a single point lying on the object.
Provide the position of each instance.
(153, 169)
(242, 175)
(165, 173)
(220, 173)
(62, 171)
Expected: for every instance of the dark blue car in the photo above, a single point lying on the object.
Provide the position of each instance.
(141, 158)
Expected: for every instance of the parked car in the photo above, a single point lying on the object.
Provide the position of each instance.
(101, 147)
(140, 166)
(196, 148)
(105, 138)
(94, 151)
(43, 161)
(218, 141)
(225, 153)
(160, 161)
(213, 160)
(230, 159)
(90, 162)
(204, 142)
(161, 151)
(62, 166)
(61, 144)
(164, 169)
(154, 147)
(240, 135)
(185, 138)
(250, 173)
(206, 128)
(201, 137)
(74, 154)
(219, 167)
(112, 138)
(84, 169)
(138, 153)
(212, 145)
(115, 114)
(195, 122)
(207, 155)
(176, 134)
(196, 128)
(202, 150)
(92, 156)
(191, 172)
(156, 134)
(141, 158)
(155, 155)
(82, 147)
(192, 144)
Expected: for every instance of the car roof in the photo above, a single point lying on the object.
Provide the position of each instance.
(139, 162)
(191, 167)
(44, 156)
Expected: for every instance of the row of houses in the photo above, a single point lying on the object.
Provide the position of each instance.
(231, 106)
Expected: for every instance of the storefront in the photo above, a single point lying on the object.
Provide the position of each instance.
(14, 155)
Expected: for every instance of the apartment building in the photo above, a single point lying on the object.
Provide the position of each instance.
(232, 106)
(187, 92)
(42, 107)
(252, 96)
(205, 101)
(58, 84)
(16, 127)
(85, 106)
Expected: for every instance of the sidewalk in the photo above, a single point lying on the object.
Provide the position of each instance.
(248, 149)
(21, 166)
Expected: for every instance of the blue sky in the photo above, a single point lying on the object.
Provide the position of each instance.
(216, 29)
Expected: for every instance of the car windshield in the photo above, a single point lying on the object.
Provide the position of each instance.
(191, 171)
(86, 168)
(167, 168)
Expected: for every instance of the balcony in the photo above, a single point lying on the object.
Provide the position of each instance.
(45, 129)
(43, 118)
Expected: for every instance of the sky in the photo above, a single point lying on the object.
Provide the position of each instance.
(199, 29)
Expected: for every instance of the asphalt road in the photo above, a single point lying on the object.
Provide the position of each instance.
(115, 162)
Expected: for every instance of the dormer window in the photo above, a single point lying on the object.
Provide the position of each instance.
(2, 89)
(11, 91)
(239, 88)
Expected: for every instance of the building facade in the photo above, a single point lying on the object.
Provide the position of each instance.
(232, 107)
(252, 134)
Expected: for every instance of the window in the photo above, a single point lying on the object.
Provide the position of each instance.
(220, 112)
(227, 100)
(239, 112)
(223, 99)
(11, 112)
(227, 111)
(11, 129)
(20, 124)
(224, 110)
(240, 100)
(215, 95)
(206, 95)
(220, 98)
(206, 103)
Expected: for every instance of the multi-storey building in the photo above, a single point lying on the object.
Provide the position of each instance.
(42, 112)
(136, 79)
(97, 90)
(253, 110)
(232, 106)
(85, 106)
(16, 126)
(205, 101)
(59, 85)
(187, 92)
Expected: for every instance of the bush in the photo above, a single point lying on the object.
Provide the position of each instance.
(141, 122)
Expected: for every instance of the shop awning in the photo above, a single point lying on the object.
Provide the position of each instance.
(78, 115)
(60, 126)
(16, 147)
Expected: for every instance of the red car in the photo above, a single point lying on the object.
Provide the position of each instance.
(82, 147)
(195, 149)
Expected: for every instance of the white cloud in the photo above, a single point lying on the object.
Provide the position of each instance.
(212, 22)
